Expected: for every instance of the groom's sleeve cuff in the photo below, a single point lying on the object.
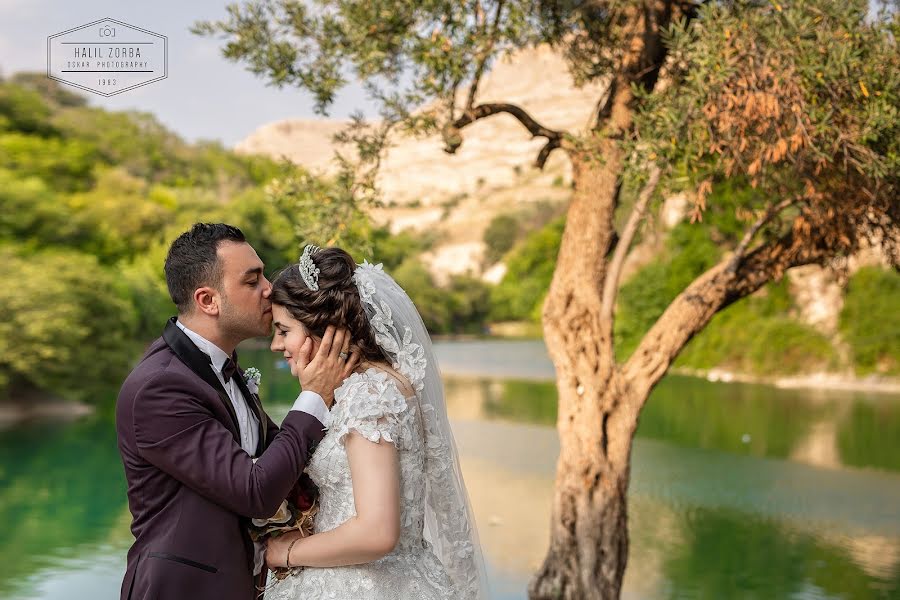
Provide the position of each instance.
(311, 403)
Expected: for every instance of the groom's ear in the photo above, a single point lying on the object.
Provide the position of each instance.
(206, 300)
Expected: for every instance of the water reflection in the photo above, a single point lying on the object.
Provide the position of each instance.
(508, 399)
(871, 436)
(63, 496)
(728, 496)
(829, 429)
(702, 525)
(725, 554)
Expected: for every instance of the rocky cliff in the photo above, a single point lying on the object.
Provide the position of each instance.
(458, 195)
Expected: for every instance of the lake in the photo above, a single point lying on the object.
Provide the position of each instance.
(737, 491)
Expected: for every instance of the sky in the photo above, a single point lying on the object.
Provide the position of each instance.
(204, 96)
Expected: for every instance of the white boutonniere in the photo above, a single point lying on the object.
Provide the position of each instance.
(252, 376)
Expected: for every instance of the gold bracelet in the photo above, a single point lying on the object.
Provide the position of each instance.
(290, 547)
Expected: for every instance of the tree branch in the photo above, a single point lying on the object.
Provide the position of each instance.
(555, 139)
(611, 283)
(605, 104)
(711, 292)
(751, 233)
(486, 110)
(544, 154)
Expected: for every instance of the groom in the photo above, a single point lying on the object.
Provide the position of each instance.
(201, 456)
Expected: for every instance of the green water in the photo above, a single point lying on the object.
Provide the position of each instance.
(737, 491)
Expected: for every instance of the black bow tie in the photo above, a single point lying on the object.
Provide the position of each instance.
(229, 368)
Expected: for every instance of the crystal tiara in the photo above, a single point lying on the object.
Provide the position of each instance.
(308, 269)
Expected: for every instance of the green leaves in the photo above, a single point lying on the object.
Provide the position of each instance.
(794, 96)
(65, 164)
(321, 212)
(57, 304)
(427, 50)
(24, 110)
(91, 201)
(530, 266)
(460, 306)
(870, 322)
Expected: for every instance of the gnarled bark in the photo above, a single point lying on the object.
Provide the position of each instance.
(589, 542)
(589, 537)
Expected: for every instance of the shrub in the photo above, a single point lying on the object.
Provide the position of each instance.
(499, 237)
(870, 321)
(461, 307)
(62, 303)
(530, 267)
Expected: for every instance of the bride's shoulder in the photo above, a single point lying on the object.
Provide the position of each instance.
(378, 380)
(372, 403)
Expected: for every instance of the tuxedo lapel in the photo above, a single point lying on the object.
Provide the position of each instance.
(198, 362)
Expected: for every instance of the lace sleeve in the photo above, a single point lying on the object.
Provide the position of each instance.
(372, 405)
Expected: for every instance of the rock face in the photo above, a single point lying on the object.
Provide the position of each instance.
(305, 142)
(425, 188)
(818, 295)
(495, 152)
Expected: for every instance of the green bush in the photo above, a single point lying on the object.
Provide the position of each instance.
(499, 237)
(24, 111)
(32, 213)
(391, 249)
(146, 282)
(507, 229)
(91, 200)
(744, 339)
(49, 90)
(755, 335)
(65, 165)
(870, 320)
(415, 279)
(689, 251)
(460, 307)
(61, 304)
(470, 304)
(530, 267)
(64, 139)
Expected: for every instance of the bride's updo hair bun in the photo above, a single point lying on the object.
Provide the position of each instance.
(336, 302)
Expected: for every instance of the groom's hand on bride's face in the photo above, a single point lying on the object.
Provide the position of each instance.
(331, 364)
(306, 351)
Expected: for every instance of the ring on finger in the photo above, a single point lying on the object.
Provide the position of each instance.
(343, 355)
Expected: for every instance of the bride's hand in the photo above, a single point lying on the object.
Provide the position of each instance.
(277, 550)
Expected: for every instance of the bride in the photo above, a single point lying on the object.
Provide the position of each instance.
(394, 521)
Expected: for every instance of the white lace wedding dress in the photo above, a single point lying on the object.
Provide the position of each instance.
(372, 404)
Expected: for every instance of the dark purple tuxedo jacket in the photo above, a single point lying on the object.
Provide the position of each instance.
(191, 487)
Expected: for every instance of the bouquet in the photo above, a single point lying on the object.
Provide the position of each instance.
(296, 513)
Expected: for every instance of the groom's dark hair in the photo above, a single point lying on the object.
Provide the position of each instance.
(192, 261)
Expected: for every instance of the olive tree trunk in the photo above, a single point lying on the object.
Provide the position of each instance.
(599, 400)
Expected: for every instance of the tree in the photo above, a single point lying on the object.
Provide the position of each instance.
(61, 303)
(89, 203)
(800, 97)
